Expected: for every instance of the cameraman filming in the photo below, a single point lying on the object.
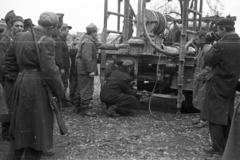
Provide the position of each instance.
(221, 83)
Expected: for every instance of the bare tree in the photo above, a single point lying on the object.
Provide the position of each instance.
(172, 8)
(215, 6)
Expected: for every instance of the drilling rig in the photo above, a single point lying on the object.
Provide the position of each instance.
(158, 64)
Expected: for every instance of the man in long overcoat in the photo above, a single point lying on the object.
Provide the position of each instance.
(204, 45)
(32, 121)
(232, 149)
(221, 82)
(117, 93)
(16, 26)
(73, 69)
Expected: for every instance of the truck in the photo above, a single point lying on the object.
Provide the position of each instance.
(163, 57)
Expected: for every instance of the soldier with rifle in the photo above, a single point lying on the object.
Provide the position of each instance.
(58, 60)
(32, 54)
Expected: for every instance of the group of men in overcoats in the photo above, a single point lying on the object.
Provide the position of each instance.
(215, 93)
(34, 59)
(23, 68)
(29, 121)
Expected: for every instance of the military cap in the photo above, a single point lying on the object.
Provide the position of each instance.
(60, 20)
(127, 63)
(65, 25)
(16, 18)
(118, 62)
(28, 22)
(9, 15)
(91, 27)
(226, 21)
(48, 19)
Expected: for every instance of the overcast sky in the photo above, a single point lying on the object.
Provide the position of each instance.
(79, 13)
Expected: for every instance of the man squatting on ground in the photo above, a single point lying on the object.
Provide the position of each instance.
(117, 92)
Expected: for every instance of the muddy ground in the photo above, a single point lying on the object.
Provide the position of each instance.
(136, 137)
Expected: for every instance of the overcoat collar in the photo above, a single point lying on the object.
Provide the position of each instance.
(231, 36)
(40, 30)
(91, 39)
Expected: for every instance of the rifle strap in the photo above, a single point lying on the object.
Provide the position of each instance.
(41, 39)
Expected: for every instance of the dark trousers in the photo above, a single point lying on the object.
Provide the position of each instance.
(65, 77)
(123, 101)
(27, 153)
(84, 92)
(8, 90)
(219, 135)
(73, 82)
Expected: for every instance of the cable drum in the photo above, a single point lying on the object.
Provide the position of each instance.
(162, 23)
(152, 20)
(156, 22)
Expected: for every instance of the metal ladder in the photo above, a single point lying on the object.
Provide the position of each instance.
(185, 14)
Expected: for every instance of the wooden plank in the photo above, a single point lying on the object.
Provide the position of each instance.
(111, 31)
(116, 14)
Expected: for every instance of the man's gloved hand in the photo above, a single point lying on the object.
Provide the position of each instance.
(92, 74)
(202, 75)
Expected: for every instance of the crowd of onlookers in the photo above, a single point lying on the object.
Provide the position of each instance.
(35, 56)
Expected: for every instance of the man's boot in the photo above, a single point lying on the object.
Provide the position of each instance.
(124, 112)
(111, 111)
(86, 110)
(49, 152)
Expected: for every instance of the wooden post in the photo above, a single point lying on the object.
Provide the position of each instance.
(119, 10)
(104, 40)
(126, 21)
(139, 19)
(195, 15)
(200, 16)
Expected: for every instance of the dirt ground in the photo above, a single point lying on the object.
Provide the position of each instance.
(136, 137)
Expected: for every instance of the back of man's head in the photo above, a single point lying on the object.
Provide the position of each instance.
(226, 23)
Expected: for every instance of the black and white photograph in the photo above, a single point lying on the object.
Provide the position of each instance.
(119, 80)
